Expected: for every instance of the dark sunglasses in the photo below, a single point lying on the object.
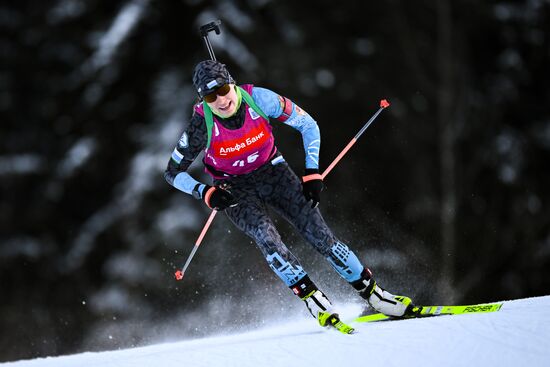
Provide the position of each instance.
(221, 91)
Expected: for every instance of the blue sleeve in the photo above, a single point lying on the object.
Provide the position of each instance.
(272, 104)
(176, 174)
(184, 182)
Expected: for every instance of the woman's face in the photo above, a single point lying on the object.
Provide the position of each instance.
(226, 105)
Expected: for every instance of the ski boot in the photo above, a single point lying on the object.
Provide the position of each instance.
(319, 305)
(381, 300)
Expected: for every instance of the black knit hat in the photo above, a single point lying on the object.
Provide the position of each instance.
(209, 75)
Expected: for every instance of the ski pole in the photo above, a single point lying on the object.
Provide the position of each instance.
(383, 105)
(179, 274)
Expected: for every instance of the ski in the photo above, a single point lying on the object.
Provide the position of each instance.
(333, 320)
(428, 311)
(343, 328)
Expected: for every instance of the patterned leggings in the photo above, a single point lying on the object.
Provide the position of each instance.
(278, 187)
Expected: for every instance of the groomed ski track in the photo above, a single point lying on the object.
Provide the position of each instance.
(517, 335)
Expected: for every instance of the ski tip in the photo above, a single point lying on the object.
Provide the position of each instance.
(179, 275)
(384, 103)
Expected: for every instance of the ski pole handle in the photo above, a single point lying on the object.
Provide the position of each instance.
(383, 105)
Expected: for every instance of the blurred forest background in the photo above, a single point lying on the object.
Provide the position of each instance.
(446, 196)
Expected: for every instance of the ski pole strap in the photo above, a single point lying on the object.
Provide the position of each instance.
(209, 118)
(315, 176)
(208, 195)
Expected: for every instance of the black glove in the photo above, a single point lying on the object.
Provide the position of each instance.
(218, 198)
(312, 184)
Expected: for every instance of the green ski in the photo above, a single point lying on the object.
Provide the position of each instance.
(326, 319)
(427, 311)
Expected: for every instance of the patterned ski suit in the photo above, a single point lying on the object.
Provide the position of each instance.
(272, 183)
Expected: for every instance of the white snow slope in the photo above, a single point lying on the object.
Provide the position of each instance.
(517, 335)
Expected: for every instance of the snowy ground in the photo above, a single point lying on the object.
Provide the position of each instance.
(517, 335)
